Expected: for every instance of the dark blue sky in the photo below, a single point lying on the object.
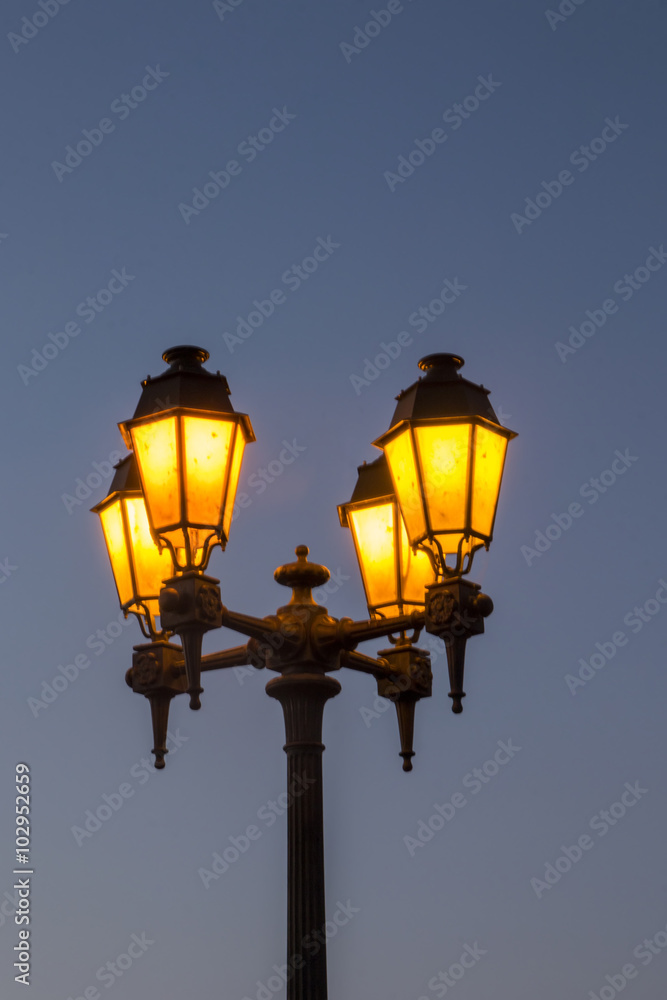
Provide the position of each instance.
(475, 177)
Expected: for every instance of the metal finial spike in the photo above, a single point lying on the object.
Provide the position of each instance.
(192, 643)
(407, 759)
(160, 702)
(457, 706)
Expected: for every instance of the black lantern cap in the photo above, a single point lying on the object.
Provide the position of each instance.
(126, 476)
(374, 480)
(373, 483)
(443, 392)
(185, 383)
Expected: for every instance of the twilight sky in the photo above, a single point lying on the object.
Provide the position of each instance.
(479, 177)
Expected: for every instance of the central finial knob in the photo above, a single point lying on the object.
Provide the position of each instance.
(302, 576)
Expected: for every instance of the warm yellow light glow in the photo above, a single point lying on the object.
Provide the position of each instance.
(392, 574)
(151, 565)
(138, 566)
(114, 536)
(156, 448)
(416, 569)
(190, 462)
(206, 447)
(405, 475)
(234, 473)
(447, 476)
(490, 449)
(444, 456)
(373, 531)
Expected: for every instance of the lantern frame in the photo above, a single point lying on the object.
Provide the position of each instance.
(125, 487)
(217, 535)
(373, 489)
(440, 399)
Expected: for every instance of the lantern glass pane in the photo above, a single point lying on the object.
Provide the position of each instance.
(235, 472)
(157, 456)
(373, 532)
(490, 450)
(151, 565)
(206, 446)
(114, 536)
(405, 477)
(416, 571)
(444, 453)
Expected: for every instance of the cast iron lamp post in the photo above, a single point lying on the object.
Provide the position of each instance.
(417, 516)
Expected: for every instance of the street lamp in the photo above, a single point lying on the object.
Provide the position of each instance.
(433, 492)
(446, 452)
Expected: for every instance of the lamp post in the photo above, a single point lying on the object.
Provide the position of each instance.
(431, 495)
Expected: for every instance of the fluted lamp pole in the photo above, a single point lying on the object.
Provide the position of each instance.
(171, 502)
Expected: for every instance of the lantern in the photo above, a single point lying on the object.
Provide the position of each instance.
(394, 577)
(139, 566)
(446, 451)
(189, 444)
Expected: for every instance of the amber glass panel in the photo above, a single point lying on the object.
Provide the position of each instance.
(373, 533)
(404, 474)
(157, 456)
(444, 453)
(114, 536)
(206, 447)
(490, 448)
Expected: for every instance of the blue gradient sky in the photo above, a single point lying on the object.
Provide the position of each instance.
(323, 176)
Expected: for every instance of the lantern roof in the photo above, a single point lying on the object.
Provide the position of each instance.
(443, 392)
(185, 383)
(374, 481)
(126, 477)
